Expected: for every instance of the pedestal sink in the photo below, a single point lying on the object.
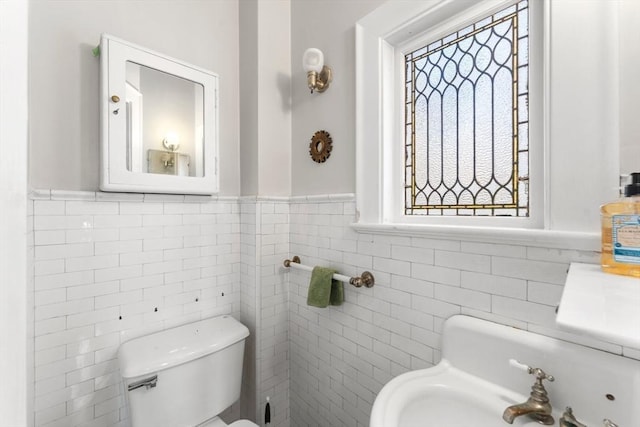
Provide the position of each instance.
(443, 396)
(474, 383)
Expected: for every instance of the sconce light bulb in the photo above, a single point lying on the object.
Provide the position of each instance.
(313, 60)
(171, 141)
(312, 80)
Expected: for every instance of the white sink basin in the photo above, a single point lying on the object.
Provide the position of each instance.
(474, 384)
(443, 396)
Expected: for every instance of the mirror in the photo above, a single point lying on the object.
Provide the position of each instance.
(159, 122)
(166, 135)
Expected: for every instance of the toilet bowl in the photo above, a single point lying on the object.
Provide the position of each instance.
(185, 376)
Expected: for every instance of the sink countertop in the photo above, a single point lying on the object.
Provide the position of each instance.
(602, 305)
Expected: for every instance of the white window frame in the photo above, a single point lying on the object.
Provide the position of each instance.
(380, 192)
(580, 107)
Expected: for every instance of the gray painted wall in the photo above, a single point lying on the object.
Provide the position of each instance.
(248, 95)
(265, 97)
(63, 82)
(329, 26)
(64, 77)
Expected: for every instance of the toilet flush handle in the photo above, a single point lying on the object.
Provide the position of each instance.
(146, 382)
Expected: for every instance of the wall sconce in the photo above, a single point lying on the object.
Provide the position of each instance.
(169, 162)
(171, 141)
(318, 75)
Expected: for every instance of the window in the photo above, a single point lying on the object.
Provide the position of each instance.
(572, 90)
(394, 188)
(466, 120)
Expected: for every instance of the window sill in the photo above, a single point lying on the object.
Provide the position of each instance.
(512, 236)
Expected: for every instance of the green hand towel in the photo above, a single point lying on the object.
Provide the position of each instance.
(337, 293)
(323, 289)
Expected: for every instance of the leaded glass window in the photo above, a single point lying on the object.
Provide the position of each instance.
(466, 130)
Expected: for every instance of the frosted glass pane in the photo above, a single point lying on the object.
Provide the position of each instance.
(420, 52)
(523, 81)
(435, 77)
(421, 81)
(505, 12)
(504, 196)
(523, 193)
(523, 162)
(435, 199)
(523, 23)
(465, 133)
(450, 67)
(434, 121)
(460, 118)
(420, 141)
(450, 137)
(465, 66)
(523, 108)
(484, 197)
(450, 198)
(466, 198)
(484, 131)
(483, 22)
(465, 31)
(421, 199)
(502, 52)
(483, 57)
(523, 136)
(503, 126)
(523, 51)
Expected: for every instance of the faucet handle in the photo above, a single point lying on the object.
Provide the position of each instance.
(608, 423)
(569, 420)
(539, 373)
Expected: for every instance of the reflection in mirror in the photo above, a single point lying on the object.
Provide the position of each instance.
(165, 123)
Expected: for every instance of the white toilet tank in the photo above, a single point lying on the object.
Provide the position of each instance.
(185, 375)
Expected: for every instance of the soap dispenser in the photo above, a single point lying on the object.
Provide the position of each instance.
(621, 232)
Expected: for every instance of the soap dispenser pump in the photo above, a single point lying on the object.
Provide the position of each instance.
(621, 232)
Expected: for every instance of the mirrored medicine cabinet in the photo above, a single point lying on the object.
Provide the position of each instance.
(159, 122)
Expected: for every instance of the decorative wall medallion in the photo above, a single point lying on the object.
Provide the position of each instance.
(320, 147)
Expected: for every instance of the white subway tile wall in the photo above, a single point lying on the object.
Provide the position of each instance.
(249, 305)
(342, 356)
(264, 309)
(31, 302)
(107, 269)
(103, 264)
(272, 240)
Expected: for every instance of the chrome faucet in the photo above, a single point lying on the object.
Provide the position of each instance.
(569, 420)
(537, 407)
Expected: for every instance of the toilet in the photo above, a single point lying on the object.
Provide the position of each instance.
(185, 376)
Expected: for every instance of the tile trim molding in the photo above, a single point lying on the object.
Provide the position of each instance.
(523, 237)
(53, 194)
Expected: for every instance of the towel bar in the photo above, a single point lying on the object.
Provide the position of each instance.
(365, 279)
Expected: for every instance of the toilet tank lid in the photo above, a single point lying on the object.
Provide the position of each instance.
(175, 346)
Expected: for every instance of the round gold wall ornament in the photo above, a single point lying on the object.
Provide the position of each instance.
(320, 147)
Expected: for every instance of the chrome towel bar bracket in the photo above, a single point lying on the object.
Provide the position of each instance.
(365, 279)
